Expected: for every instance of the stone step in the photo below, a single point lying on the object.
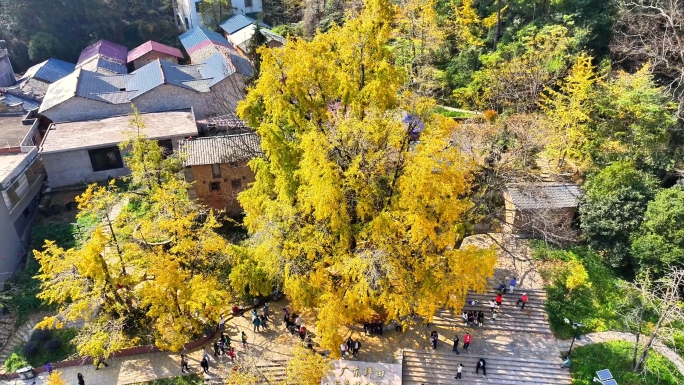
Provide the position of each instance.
(427, 367)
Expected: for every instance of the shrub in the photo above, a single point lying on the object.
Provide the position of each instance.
(52, 346)
(30, 349)
(14, 361)
(41, 335)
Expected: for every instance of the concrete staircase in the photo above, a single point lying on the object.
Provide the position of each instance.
(532, 319)
(428, 367)
(272, 372)
(17, 337)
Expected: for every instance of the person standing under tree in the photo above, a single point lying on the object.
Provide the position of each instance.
(205, 365)
(492, 305)
(456, 340)
(498, 299)
(433, 339)
(244, 340)
(480, 317)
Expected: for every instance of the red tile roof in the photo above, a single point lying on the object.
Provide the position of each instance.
(153, 46)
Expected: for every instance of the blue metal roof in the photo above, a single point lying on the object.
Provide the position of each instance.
(50, 70)
(146, 78)
(216, 67)
(238, 22)
(28, 104)
(199, 35)
(111, 66)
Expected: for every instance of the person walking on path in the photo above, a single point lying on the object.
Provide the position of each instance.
(357, 346)
(492, 305)
(433, 339)
(48, 368)
(184, 363)
(502, 288)
(459, 369)
(496, 313)
(466, 340)
(217, 349)
(79, 376)
(205, 354)
(481, 365)
(263, 319)
(205, 365)
(231, 354)
(480, 317)
(256, 322)
(456, 340)
(511, 285)
(343, 348)
(522, 299)
(298, 321)
(244, 340)
(498, 299)
(265, 310)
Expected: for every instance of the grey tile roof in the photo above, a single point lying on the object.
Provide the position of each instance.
(13, 100)
(544, 195)
(238, 22)
(50, 70)
(220, 149)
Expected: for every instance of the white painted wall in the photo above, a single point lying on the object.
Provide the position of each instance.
(11, 250)
(187, 9)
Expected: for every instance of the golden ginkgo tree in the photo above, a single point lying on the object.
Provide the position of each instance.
(155, 272)
(360, 202)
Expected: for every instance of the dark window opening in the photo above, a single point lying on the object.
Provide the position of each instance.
(187, 23)
(233, 164)
(214, 186)
(26, 212)
(248, 3)
(236, 184)
(178, 20)
(216, 170)
(166, 146)
(107, 158)
(197, 6)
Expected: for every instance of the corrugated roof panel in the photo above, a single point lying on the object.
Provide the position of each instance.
(61, 91)
(220, 149)
(242, 65)
(105, 48)
(217, 68)
(50, 70)
(200, 35)
(544, 195)
(145, 79)
(150, 46)
(110, 67)
(238, 22)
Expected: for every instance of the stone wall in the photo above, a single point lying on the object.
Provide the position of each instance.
(226, 197)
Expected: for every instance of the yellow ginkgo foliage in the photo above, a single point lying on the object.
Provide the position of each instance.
(55, 378)
(360, 202)
(154, 266)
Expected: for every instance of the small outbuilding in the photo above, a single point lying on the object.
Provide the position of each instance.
(217, 166)
(541, 210)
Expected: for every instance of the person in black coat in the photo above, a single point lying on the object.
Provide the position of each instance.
(204, 364)
(80, 379)
(481, 365)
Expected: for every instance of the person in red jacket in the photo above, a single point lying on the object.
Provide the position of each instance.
(466, 340)
(522, 299)
(498, 299)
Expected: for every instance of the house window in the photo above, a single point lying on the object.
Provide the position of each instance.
(166, 146)
(107, 158)
(248, 3)
(216, 170)
(214, 186)
(233, 164)
(187, 23)
(178, 20)
(235, 183)
(197, 6)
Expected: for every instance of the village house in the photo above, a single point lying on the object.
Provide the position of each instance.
(36, 80)
(21, 179)
(151, 51)
(239, 30)
(217, 167)
(82, 152)
(104, 57)
(189, 14)
(7, 77)
(541, 210)
(158, 86)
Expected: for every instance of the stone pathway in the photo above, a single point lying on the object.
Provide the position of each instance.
(600, 337)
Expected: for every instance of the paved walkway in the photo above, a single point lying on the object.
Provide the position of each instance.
(597, 338)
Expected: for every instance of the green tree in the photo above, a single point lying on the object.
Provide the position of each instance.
(660, 241)
(43, 46)
(612, 209)
(348, 211)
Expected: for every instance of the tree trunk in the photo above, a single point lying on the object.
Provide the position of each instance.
(642, 358)
(498, 23)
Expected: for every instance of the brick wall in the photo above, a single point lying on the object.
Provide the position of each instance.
(226, 197)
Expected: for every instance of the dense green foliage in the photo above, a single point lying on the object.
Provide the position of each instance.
(13, 362)
(612, 209)
(37, 29)
(582, 289)
(192, 379)
(660, 241)
(46, 346)
(617, 357)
